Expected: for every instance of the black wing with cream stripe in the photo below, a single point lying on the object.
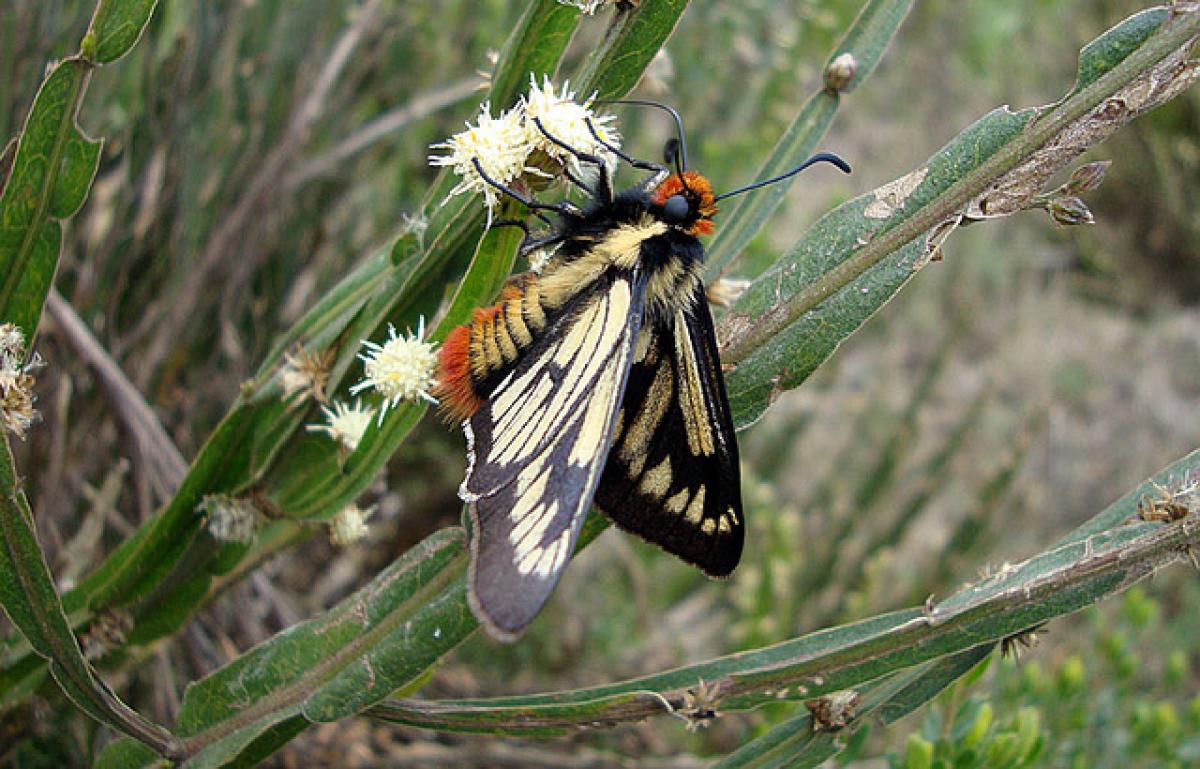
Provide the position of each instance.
(672, 475)
(537, 446)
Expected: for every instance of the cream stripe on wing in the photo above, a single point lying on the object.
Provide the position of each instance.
(583, 354)
(691, 393)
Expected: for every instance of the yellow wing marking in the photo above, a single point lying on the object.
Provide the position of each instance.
(678, 502)
(621, 248)
(657, 479)
(695, 508)
(526, 418)
(641, 429)
(691, 393)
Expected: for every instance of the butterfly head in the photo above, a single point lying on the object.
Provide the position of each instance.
(686, 201)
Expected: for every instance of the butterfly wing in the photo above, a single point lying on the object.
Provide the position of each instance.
(537, 446)
(672, 475)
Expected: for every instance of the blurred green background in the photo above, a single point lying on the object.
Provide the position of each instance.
(1009, 393)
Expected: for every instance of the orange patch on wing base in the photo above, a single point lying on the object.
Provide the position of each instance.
(463, 358)
(455, 388)
(699, 192)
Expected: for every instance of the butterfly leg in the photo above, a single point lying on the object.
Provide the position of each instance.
(531, 242)
(661, 172)
(603, 184)
(565, 208)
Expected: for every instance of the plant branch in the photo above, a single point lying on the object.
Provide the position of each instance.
(28, 596)
(165, 466)
(1060, 581)
(744, 335)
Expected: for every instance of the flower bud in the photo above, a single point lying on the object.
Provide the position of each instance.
(840, 72)
(1070, 210)
(1087, 177)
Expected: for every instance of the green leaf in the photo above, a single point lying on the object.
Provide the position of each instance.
(1061, 580)
(28, 596)
(116, 27)
(534, 48)
(51, 174)
(382, 638)
(795, 744)
(854, 259)
(865, 40)
(637, 32)
(1106, 51)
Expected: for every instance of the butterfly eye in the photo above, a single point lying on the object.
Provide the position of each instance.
(676, 209)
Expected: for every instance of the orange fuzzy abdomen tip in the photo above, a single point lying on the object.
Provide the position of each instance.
(456, 389)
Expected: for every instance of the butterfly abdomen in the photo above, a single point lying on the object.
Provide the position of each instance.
(494, 339)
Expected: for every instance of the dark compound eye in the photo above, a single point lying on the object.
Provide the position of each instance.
(676, 209)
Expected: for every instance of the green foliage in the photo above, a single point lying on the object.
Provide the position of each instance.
(52, 169)
(237, 137)
(1119, 699)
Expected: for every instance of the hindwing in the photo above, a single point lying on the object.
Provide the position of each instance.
(672, 475)
(537, 446)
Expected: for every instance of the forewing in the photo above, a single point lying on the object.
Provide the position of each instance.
(536, 449)
(672, 475)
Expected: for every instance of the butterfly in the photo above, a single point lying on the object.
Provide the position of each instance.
(597, 381)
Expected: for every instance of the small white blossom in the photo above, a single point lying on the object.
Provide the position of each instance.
(501, 146)
(415, 225)
(566, 120)
(305, 373)
(402, 368)
(16, 382)
(229, 519)
(12, 347)
(588, 7)
(350, 524)
(345, 423)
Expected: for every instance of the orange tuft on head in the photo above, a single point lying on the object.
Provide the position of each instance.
(455, 389)
(699, 192)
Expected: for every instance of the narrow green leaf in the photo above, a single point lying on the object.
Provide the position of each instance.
(1105, 52)
(795, 744)
(856, 257)
(381, 639)
(534, 48)
(116, 27)
(866, 40)
(636, 34)
(51, 173)
(1062, 580)
(28, 596)
(790, 357)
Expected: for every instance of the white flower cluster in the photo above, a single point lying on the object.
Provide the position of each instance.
(345, 423)
(230, 519)
(503, 146)
(350, 524)
(305, 373)
(16, 382)
(589, 7)
(402, 368)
